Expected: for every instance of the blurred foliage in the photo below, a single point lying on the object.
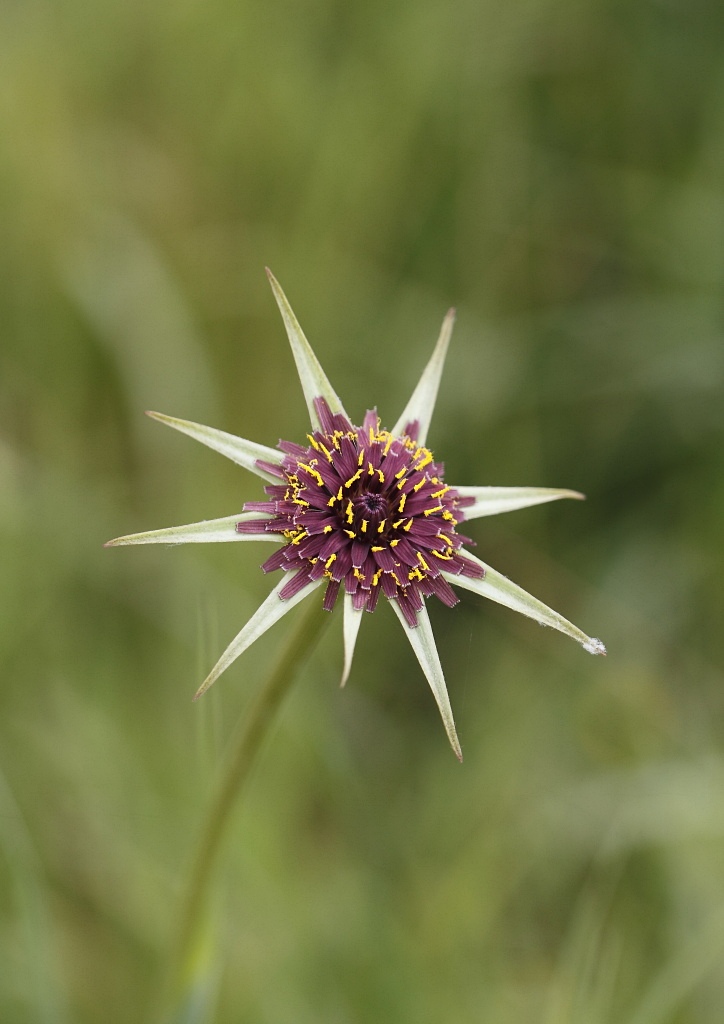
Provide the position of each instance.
(555, 170)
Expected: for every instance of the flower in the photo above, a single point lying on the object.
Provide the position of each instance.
(364, 511)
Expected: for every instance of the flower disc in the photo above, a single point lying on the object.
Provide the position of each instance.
(365, 509)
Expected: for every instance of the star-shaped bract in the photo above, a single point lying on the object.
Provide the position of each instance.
(363, 512)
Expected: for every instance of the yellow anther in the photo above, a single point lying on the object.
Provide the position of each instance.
(439, 554)
(447, 540)
(331, 501)
(387, 447)
(327, 529)
(299, 537)
(397, 525)
(422, 561)
(313, 442)
(394, 577)
(381, 527)
(376, 577)
(360, 458)
(431, 511)
(352, 479)
(424, 462)
(394, 543)
(329, 561)
(349, 514)
(439, 494)
(370, 469)
(358, 574)
(381, 475)
(419, 484)
(378, 547)
(401, 506)
(327, 453)
(351, 533)
(407, 525)
(399, 475)
(363, 527)
(415, 574)
(314, 473)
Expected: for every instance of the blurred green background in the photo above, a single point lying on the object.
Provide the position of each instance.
(556, 171)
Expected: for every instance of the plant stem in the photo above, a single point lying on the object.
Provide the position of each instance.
(245, 747)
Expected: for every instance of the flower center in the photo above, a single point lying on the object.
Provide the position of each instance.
(368, 511)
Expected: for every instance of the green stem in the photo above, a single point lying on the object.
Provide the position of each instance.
(245, 747)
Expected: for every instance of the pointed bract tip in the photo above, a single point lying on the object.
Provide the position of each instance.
(459, 755)
(595, 646)
(451, 313)
(111, 543)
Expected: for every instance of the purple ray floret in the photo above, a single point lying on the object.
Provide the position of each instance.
(367, 511)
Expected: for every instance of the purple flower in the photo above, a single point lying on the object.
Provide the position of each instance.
(361, 512)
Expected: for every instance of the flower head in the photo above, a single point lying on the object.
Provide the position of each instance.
(363, 512)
